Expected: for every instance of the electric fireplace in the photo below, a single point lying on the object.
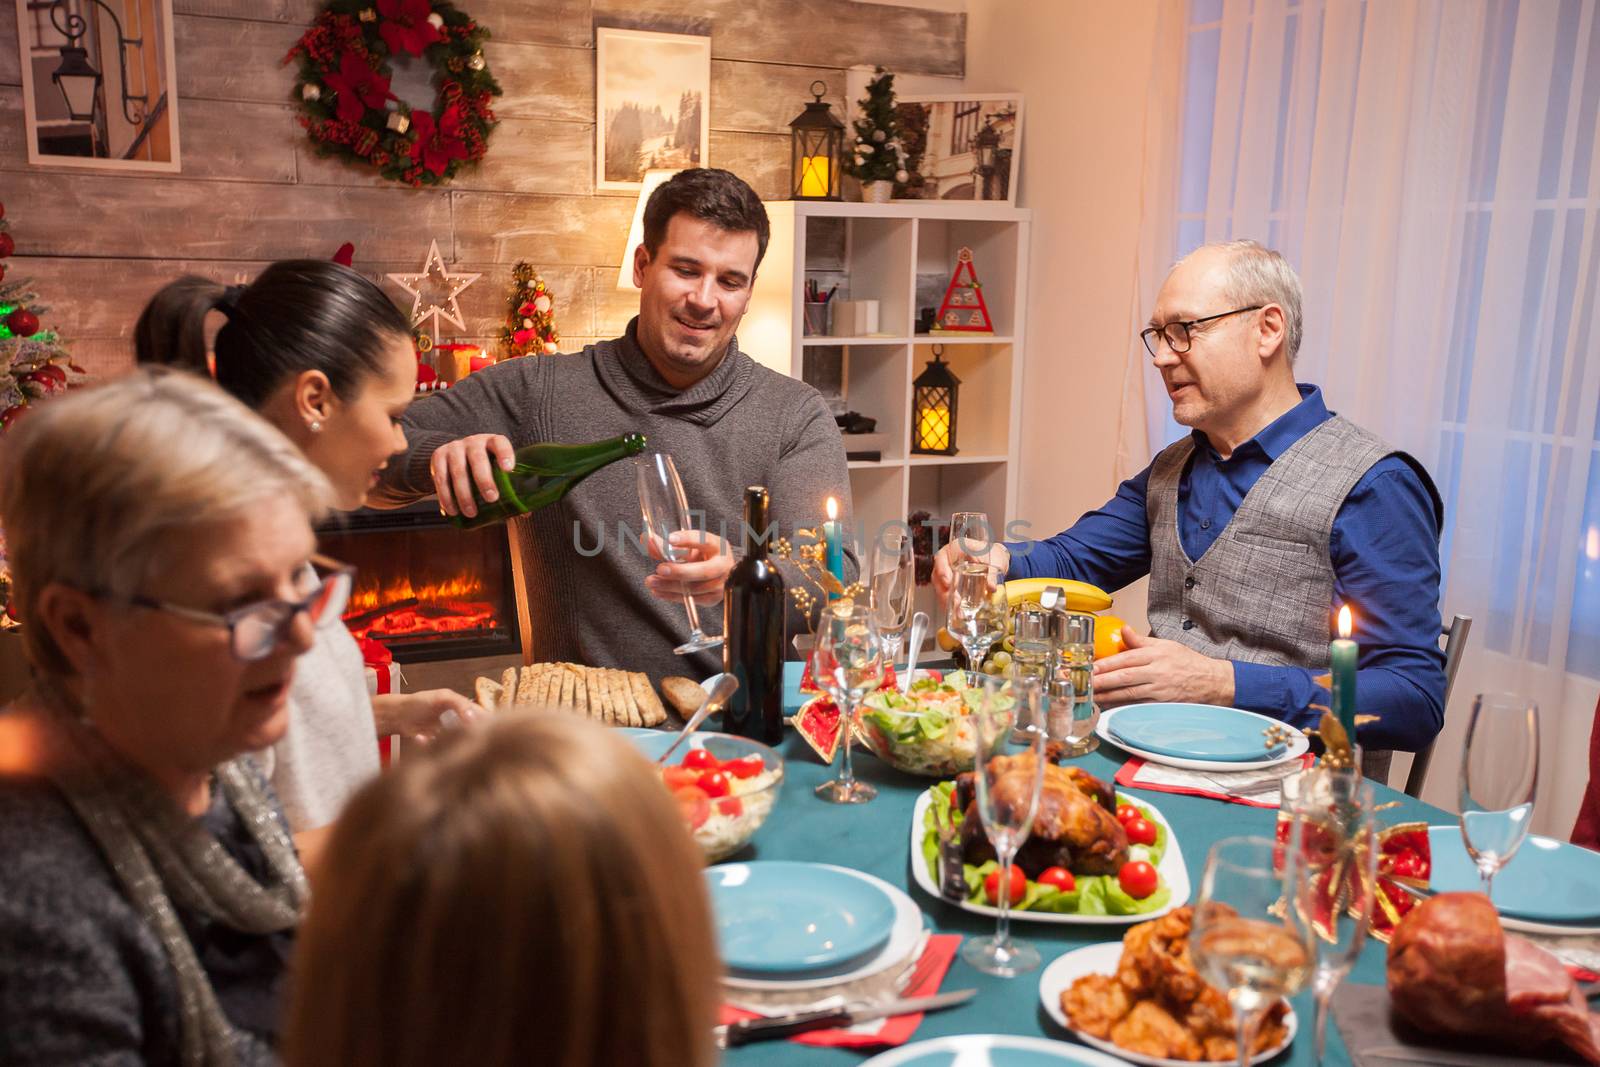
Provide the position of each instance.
(425, 589)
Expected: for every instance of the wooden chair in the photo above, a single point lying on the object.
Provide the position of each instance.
(1455, 641)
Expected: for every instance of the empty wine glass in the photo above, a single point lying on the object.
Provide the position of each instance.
(971, 533)
(1251, 937)
(666, 511)
(1331, 813)
(893, 583)
(1008, 775)
(1499, 777)
(977, 610)
(847, 664)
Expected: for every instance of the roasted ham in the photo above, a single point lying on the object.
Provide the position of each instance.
(1453, 971)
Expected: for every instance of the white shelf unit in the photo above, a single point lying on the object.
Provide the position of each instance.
(876, 252)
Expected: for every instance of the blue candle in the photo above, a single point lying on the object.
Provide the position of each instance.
(833, 542)
(1342, 653)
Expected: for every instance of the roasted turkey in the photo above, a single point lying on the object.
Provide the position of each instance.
(1076, 826)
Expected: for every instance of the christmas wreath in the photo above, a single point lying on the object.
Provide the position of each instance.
(343, 94)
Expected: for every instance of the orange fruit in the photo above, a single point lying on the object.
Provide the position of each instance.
(1107, 636)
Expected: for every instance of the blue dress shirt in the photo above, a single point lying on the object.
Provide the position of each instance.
(1385, 553)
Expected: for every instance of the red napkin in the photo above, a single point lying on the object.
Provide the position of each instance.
(1131, 768)
(897, 1030)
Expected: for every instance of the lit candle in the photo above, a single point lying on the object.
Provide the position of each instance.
(833, 541)
(814, 172)
(479, 362)
(1343, 654)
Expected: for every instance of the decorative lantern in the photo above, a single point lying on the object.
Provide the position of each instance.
(79, 83)
(933, 408)
(816, 147)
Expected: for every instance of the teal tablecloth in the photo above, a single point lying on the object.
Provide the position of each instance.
(876, 838)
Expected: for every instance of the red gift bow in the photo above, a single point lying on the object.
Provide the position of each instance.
(375, 654)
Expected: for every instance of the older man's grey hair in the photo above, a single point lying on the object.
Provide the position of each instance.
(1260, 275)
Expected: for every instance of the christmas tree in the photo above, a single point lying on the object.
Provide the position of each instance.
(34, 363)
(530, 321)
(878, 155)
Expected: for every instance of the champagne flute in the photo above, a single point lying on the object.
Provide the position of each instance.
(1499, 778)
(893, 583)
(971, 533)
(1251, 937)
(1332, 814)
(977, 610)
(847, 664)
(1008, 800)
(666, 511)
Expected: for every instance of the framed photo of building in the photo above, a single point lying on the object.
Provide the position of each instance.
(99, 87)
(966, 147)
(651, 97)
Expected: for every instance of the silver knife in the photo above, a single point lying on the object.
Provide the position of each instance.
(747, 1030)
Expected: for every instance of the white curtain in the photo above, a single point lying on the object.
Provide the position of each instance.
(1431, 168)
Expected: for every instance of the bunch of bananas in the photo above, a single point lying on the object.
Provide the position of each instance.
(1074, 596)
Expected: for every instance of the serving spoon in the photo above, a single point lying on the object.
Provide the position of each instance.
(726, 686)
(919, 631)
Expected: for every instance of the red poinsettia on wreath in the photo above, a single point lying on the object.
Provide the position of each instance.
(347, 107)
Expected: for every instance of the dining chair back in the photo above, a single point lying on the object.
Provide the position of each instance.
(1455, 641)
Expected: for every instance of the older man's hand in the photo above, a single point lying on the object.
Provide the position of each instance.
(951, 555)
(1152, 669)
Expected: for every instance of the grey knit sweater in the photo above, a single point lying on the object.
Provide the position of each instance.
(741, 425)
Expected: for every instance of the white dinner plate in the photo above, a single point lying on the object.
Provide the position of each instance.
(1297, 745)
(904, 937)
(1171, 868)
(990, 1050)
(1103, 959)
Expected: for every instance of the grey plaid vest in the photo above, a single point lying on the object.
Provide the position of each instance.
(1263, 591)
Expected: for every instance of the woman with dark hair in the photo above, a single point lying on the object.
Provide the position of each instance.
(327, 358)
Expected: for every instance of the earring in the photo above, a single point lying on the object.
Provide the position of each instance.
(314, 426)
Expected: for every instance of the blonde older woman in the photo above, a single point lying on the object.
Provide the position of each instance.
(520, 892)
(161, 543)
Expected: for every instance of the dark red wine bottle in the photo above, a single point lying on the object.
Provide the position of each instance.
(752, 629)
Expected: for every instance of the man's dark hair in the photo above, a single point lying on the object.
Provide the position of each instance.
(719, 197)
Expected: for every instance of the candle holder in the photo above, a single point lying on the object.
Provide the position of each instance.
(810, 560)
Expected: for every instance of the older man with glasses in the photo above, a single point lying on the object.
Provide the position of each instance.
(1259, 524)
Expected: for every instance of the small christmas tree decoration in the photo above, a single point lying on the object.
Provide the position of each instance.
(530, 316)
(878, 155)
(963, 309)
(34, 364)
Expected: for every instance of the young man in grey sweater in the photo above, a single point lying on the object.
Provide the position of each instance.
(678, 377)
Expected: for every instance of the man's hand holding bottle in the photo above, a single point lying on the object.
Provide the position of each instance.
(460, 465)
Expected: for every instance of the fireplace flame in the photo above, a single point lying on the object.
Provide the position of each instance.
(461, 587)
(399, 609)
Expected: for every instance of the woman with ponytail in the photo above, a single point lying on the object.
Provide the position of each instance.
(323, 355)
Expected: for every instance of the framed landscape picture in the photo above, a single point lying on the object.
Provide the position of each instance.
(966, 147)
(651, 96)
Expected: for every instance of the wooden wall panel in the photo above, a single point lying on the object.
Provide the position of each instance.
(98, 244)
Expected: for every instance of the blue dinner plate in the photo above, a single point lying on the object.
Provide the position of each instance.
(1194, 731)
(780, 918)
(994, 1050)
(1546, 881)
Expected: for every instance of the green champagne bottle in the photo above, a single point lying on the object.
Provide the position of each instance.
(543, 474)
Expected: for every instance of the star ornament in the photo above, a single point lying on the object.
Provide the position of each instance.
(435, 291)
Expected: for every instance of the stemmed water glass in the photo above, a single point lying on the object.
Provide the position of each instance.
(847, 664)
(1499, 777)
(1008, 800)
(1331, 813)
(977, 610)
(666, 511)
(893, 583)
(1251, 936)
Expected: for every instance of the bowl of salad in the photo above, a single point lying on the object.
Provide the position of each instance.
(725, 786)
(926, 730)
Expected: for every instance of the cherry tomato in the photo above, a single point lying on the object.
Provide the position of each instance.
(701, 759)
(732, 807)
(715, 784)
(745, 766)
(1128, 811)
(694, 804)
(1138, 879)
(1019, 885)
(1141, 831)
(1059, 877)
(677, 778)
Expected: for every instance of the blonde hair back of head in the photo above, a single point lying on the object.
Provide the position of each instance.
(522, 892)
(91, 484)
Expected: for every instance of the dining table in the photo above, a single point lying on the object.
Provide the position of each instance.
(876, 838)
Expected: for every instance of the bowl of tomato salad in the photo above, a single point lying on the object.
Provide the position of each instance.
(725, 786)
